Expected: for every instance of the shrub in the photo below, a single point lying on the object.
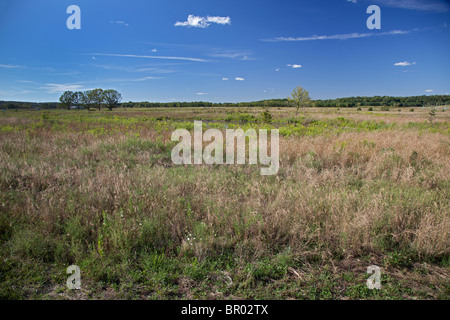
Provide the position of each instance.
(266, 116)
(370, 109)
(385, 108)
(412, 109)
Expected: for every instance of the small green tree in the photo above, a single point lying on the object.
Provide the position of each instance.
(300, 98)
(111, 98)
(431, 115)
(67, 99)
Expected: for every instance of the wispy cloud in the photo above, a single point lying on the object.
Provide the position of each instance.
(61, 87)
(421, 5)
(202, 22)
(202, 93)
(230, 54)
(404, 64)
(294, 66)
(150, 57)
(134, 80)
(142, 68)
(344, 36)
(11, 66)
(225, 79)
(277, 69)
(239, 79)
(120, 22)
(429, 90)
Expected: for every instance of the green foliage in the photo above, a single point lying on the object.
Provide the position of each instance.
(240, 117)
(300, 98)
(431, 115)
(266, 116)
(67, 99)
(111, 98)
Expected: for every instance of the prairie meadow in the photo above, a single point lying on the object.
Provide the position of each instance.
(99, 190)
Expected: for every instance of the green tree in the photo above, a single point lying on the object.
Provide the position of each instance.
(94, 98)
(78, 99)
(111, 98)
(85, 100)
(67, 99)
(431, 115)
(300, 98)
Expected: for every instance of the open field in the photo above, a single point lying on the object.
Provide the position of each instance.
(99, 190)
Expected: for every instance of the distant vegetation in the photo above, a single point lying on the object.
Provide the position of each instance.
(415, 101)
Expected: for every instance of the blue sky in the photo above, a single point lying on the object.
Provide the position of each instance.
(227, 51)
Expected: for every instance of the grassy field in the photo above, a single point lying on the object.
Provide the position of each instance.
(98, 189)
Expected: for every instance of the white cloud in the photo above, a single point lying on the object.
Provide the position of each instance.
(294, 66)
(429, 90)
(404, 64)
(277, 69)
(149, 57)
(219, 20)
(239, 79)
(201, 93)
(344, 36)
(202, 22)
(224, 79)
(154, 50)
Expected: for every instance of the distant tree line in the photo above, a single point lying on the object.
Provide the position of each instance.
(11, 105)
(416, 101)
(99, 98)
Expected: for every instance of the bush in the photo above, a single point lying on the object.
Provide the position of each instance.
(359, 109)
(385, 108)
(266, 116)
(370, 109)
(412, 109)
